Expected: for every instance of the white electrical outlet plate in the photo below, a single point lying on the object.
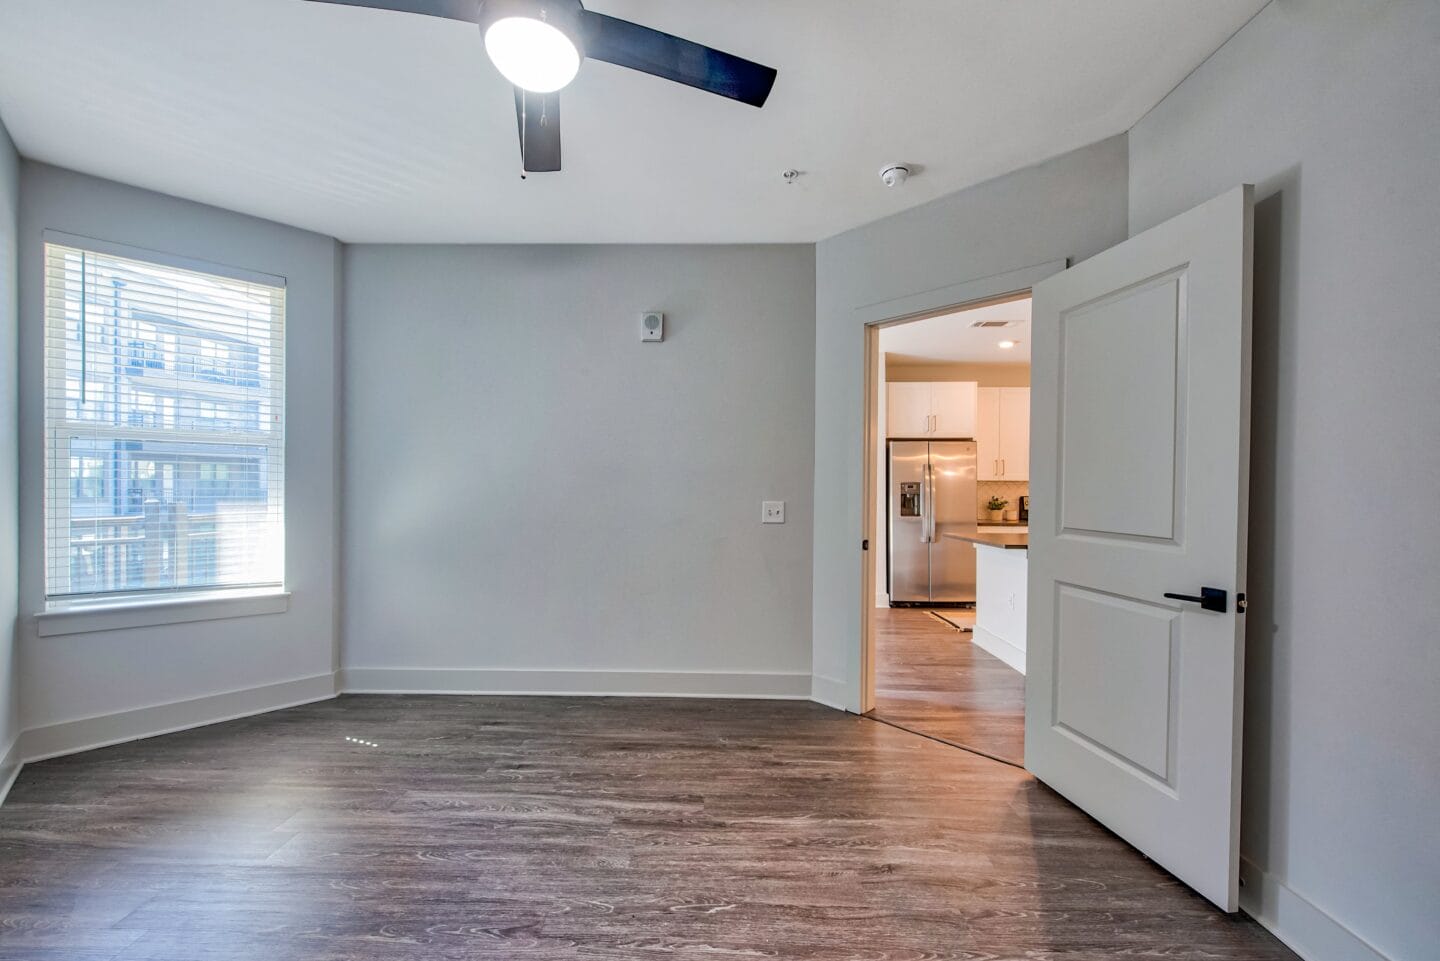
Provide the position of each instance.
(772, 512)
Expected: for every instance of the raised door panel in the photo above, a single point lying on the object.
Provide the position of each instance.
(987, 433)
(1014, 433)
(1102, 638)
(907, 409)
(953, 405)
(1117, 452)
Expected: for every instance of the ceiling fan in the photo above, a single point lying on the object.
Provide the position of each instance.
(538, 46)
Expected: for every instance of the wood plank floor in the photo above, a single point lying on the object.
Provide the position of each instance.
(930, 679)
(556, 829)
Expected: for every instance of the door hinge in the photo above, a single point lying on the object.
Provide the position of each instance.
(865, 544)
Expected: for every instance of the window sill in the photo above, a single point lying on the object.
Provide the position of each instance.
(86, 618)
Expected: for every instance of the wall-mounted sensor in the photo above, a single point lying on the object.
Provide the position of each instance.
(652, 326)
(894, 175)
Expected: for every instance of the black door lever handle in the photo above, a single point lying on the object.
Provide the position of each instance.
(1210, 599)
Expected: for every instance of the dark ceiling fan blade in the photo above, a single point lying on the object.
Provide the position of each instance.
(466, 10)
(537, 115)
(650, 51)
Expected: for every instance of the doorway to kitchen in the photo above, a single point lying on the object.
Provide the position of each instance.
(1136, 598)
(950, 424)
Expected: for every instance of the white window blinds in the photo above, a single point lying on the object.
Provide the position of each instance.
(164, 427)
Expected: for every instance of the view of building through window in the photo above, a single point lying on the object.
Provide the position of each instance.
(164, 427)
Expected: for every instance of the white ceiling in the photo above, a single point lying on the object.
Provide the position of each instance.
(376, 126)
(950, 338)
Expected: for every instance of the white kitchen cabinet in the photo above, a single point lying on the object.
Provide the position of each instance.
(987, 434)
(952, 408)
(925, 409)
(1014, 433)
(1002, 433)
(907, 409)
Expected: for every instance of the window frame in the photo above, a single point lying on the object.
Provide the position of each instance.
(74, 613)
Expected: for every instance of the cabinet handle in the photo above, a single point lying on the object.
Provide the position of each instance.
(1002, 467)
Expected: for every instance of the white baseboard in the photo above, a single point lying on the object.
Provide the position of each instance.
(9, 767)
(998, 646)
(399, 680)
(70, 737)
(830, 691)
(1303, 927)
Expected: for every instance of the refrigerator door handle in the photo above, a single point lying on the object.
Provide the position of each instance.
(925, 504)
(929, 503)
(933, 497)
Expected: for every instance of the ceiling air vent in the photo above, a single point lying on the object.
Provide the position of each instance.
(990, 323)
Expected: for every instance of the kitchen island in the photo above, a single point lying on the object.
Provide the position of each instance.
(1001, 572)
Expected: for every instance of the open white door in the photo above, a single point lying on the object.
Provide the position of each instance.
(1139, 475)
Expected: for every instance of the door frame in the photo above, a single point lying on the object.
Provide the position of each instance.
(981, 292)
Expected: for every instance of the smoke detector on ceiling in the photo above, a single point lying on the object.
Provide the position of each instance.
(894, 175)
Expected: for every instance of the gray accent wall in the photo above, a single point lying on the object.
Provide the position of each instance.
(1332, 109)
(76, 676)
(9, 453)
(531, 493)
(978, 242)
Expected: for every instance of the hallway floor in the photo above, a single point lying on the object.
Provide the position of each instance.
(930, 679)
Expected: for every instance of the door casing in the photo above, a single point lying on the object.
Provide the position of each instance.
(982, 292)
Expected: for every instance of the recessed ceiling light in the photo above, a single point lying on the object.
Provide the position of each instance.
(1007, 344)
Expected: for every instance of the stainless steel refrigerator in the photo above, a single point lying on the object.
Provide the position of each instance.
(932, 494)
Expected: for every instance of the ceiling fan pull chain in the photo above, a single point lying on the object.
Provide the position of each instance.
(524, 125)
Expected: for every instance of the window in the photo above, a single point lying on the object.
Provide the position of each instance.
(164, 427)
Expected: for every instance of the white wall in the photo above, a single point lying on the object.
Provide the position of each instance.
(530, 491)
(1333, 109)
(9, 454)
(965, 246)
(67, 678)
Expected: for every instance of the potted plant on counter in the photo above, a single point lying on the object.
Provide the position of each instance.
(995, 509)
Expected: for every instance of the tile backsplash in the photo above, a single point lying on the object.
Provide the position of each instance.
(1010, 490)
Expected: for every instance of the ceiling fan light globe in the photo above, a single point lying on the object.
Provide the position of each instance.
(532, 54)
